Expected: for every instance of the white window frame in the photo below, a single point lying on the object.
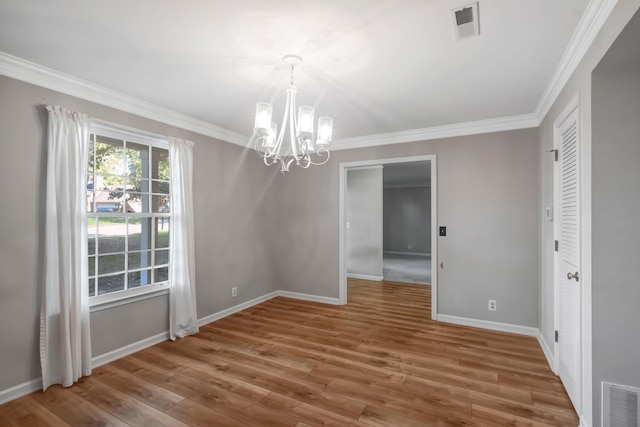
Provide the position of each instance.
(101, 302)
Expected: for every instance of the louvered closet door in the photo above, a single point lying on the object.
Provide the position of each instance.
(569, 258)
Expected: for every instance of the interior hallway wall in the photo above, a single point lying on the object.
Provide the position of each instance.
(491, 248)
(616, 204)
(579, 83)
(407, 220)
(363, 212)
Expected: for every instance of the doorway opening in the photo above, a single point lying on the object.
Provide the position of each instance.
(407, 250)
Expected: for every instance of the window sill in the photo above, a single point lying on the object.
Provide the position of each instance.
(104, 302)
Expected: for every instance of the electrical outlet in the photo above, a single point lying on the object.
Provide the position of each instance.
(409, 246)
(234, 292)
(493, 306)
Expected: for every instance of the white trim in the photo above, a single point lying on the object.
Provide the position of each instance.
(487, 324)
(584, 422)
(20, 390)
(436, 132)
(589, 26)
(309, 297)
(365, 277)
(21, 69)
(236, 308)
(420, 254)
(127, 298)
(547, 352)
(342, 273)
(128, 349)
(368, 167)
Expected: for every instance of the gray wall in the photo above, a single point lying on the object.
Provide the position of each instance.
(606, 300)
(491, 250)
(234, 216)
(363, 212)
(407, 219)
(616, 211)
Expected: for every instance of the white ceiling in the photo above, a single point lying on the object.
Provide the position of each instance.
(375, 66)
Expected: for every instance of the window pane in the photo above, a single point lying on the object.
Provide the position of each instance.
(137, 157)
(162, 257)
(161, 274)
(92, 287)
(162, 232)
(110, 263)
(138, 202)
(160, 164)
(110, 284)
(90, 195)
(139, 234)
(111, 235)
(161, 187)
(160, 204)
(139, 278)
(92, 266)
(139, 260)
(108, 201)
(91, 235)
(109, 156)
(137, 185)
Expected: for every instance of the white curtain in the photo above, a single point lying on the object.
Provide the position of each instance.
(183, 319)
(65, 342)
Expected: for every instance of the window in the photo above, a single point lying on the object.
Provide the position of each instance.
(129, 216)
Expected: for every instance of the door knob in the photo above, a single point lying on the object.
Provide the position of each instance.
(571, 276)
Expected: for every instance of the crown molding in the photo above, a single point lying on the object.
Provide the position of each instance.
(523, 121)
(588, 28)
(20, 69)
(592, 21)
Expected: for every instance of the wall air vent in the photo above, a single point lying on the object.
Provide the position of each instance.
(620, 405)
(465, 21)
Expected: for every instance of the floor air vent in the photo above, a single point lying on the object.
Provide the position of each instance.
(465, 21)
(620, 405)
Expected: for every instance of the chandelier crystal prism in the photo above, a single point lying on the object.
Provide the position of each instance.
(302, 149)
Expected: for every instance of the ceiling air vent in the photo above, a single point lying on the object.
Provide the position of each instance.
(465, 21)
(620, 405)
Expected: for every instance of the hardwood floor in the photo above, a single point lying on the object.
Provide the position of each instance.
(378, 361)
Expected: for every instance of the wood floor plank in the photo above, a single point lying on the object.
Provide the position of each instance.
(142, 390)
(27, 412)
(379, 361)
(73, 409)
(130, 410)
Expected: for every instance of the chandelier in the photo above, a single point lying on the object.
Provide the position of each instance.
(302, 149)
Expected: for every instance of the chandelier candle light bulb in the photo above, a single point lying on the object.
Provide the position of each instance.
(303, 150)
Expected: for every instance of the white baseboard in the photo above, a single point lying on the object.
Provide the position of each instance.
(487, 324)
(236, 308)
(309, 297)
(20, 390)
(128, 349)
(421, 254)
(547, 352)
(365, 277)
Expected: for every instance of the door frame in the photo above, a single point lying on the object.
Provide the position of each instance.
(434, 222)
(584, 145)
